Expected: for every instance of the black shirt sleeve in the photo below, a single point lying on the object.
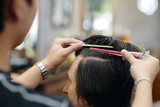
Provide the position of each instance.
(14, 95)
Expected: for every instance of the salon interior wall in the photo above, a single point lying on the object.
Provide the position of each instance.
(48, 32)
(144, 30)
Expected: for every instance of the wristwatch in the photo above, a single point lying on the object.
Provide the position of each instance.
(43, 70)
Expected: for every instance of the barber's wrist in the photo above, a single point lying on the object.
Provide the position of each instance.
(43, 69)
(49, 66)
(143, 81)
(144, 76)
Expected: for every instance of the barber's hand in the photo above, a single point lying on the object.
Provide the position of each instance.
(141, 68)
(59, 51)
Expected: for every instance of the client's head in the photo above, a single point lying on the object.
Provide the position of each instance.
(99, 79)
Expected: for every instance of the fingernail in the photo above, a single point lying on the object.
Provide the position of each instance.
(123, 52)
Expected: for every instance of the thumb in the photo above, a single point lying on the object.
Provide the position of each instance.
(73, 48)
(128, 56)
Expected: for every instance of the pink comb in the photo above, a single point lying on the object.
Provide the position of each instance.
(117, 53)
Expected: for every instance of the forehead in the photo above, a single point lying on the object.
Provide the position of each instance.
(73, 68)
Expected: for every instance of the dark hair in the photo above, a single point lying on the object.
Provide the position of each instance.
(2, 12)
(104, 80)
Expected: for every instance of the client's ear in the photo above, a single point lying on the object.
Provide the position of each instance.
(86, 102)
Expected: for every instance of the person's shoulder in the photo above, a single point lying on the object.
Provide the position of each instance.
(13, 94)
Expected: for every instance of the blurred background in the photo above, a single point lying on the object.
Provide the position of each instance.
(136, 21)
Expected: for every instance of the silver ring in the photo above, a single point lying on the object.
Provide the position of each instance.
(144, 54)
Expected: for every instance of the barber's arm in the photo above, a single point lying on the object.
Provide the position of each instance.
(57, 54)
(143, 72)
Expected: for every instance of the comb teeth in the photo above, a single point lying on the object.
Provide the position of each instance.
(97, 46)
(117, 53)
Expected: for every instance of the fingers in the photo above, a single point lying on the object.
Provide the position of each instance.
(66, 41)
(136, 54)
(73, 48)
(76, 45)
(64, 45)
(128, 56)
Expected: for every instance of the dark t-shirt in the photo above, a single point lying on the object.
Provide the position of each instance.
(15, 95)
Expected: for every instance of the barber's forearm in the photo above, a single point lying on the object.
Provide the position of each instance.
(30, 79)
(56, 56)
(143, 97)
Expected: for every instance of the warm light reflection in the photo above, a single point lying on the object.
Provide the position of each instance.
(103, 23)
(147, 7)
